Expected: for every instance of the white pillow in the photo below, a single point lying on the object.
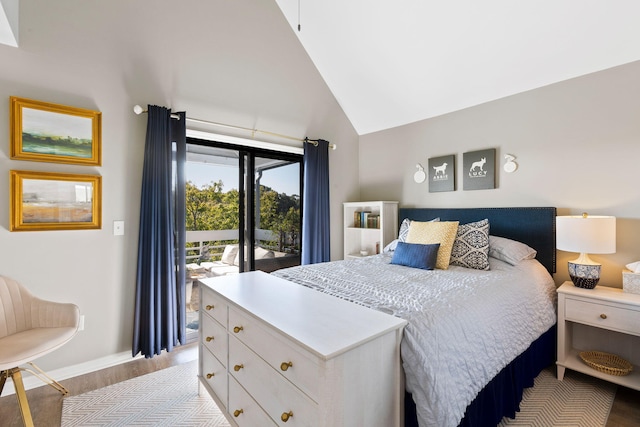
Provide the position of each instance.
(509, 251)
(229, 254)
(260, 253)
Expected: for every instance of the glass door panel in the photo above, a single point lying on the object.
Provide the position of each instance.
(212, 219)
(277, 220)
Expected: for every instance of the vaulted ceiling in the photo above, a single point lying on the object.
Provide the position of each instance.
(389, 63)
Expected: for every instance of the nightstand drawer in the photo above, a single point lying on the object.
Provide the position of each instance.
(603, 316)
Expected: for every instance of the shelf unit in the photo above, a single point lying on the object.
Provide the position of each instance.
(357, 239)
(603, 319)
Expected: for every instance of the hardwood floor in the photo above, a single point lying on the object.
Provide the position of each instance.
(46, 403)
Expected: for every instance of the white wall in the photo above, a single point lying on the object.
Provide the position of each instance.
(234, 62)
(577, 144)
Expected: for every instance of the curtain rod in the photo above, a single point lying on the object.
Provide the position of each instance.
(139, 110)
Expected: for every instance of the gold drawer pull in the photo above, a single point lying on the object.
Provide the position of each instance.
(209, 339)
(237, 329)
(211, 375)
(237, 412)
(286, 415)
(209, 307)
(238, 367)
(285, 365)
(603, 316)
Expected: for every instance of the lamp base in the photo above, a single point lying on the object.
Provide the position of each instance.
(584, 275)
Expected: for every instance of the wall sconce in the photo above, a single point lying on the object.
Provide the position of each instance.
(586, 234)
(419, 176)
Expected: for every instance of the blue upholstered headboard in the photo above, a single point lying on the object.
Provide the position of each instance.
(534, 226)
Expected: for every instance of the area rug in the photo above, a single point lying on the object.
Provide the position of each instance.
(577, 401)
(168, 397)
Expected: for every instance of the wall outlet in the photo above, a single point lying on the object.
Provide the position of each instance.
(81, 326)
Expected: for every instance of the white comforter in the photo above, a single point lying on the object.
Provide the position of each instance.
(464, 325)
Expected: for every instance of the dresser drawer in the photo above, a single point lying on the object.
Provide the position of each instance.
(215, 374)
(213, 306)
(214, 337)
(603, 316)
(276, 395)
(298, 366)
(245, 411)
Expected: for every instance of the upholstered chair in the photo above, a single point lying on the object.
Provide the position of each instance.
(30, 328)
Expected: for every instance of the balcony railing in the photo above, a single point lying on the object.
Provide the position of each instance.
(211, 243)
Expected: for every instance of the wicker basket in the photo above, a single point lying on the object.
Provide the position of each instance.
(606, 362)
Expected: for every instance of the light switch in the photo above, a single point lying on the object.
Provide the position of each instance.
(118, 228)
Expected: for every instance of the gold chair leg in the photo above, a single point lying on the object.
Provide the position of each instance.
(21, 394)
(42, 375)
(3, 379)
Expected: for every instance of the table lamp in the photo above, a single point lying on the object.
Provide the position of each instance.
(586, 234)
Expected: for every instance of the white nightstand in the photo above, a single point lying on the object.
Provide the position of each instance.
(603, 319)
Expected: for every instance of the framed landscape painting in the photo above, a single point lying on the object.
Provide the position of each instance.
(55, 201)
(45, 132)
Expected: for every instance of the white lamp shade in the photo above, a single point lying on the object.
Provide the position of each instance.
(586, 234)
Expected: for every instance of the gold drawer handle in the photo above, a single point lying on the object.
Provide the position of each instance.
(209, 307)
(285, 365)
(238, 367)
(237, 412)
(603, 316)
(209, 339)
(211, 375)
(237, 329)
(286, 415)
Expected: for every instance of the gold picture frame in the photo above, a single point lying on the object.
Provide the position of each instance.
(55, 201)
(45, 132)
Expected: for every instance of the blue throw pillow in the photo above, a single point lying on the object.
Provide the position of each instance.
(416, 255)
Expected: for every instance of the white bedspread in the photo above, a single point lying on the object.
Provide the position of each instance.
(464, 326)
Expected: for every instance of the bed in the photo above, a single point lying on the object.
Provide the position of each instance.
(475, 338)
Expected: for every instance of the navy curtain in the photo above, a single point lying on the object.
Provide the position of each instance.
(315, 203)
(160, 310)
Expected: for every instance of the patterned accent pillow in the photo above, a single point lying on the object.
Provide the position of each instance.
(404, 230)
(416, 255)
(471, 247)
(435, 232)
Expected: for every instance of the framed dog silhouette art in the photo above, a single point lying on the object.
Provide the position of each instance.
(479, 169)
(442, 173)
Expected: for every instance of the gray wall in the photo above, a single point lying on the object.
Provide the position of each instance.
(235, 62)
(577, 144)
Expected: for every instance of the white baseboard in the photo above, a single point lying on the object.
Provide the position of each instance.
(67, 372)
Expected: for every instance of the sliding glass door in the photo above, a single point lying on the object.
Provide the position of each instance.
(243, 211)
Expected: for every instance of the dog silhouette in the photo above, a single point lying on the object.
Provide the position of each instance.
(440, 169)
(478, 164)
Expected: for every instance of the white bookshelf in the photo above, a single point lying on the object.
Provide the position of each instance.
(361, 238)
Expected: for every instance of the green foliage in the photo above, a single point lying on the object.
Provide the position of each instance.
(209, 208)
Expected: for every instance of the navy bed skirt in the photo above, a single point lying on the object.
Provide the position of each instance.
(501, 397)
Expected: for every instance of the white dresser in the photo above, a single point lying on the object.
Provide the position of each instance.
(276, 353)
